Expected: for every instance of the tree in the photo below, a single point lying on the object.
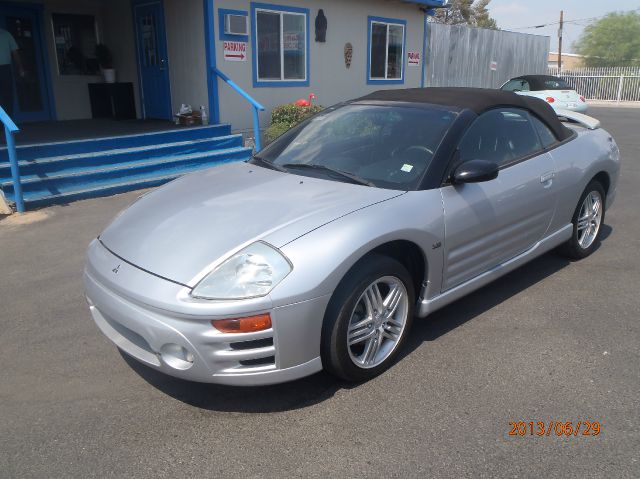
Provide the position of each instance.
(468, 12)
(613, 41)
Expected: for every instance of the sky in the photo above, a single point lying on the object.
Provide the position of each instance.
(514, 14)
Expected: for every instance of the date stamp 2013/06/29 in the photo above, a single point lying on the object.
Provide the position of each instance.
(555, 428)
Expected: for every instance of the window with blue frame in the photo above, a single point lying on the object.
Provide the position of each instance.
(386, 50)
(281, 38)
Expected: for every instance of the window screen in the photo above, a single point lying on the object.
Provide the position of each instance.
(281, 45)
(386, 51)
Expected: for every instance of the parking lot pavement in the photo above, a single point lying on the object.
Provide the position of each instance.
(552, 341)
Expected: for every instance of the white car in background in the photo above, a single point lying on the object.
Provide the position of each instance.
(555, 91)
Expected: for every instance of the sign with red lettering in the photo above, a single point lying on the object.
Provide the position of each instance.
(413, 58)
(235, 51)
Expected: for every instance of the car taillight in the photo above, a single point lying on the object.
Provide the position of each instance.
(583, 99)
(550, 99)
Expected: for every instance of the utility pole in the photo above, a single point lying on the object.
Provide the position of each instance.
(560, 41)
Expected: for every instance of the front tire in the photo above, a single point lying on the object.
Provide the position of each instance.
(368, 319)
(587, 220)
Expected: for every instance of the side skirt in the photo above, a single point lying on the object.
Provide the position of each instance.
(428, 306)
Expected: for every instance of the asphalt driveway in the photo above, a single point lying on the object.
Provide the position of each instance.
(552, 341)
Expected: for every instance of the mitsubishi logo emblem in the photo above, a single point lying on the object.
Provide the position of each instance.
(116, 269)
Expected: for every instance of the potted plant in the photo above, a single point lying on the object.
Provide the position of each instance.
(105, 60)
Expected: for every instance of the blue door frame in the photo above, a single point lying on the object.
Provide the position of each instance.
(153, 62)
(33, 94)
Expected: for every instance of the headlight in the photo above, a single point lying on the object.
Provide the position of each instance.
(250, 273)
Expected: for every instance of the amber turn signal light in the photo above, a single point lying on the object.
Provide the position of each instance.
(243, 325)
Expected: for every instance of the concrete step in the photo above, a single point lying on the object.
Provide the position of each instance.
(65, 148)
(71, 164)
(103, 177)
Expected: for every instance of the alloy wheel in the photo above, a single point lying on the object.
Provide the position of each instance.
(589, 219)
(377, 322)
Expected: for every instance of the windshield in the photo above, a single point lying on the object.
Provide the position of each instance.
(383, 146)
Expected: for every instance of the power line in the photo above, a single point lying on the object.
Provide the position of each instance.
(590, 19)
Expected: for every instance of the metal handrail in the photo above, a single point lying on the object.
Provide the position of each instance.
(256, 106)
(10, 129)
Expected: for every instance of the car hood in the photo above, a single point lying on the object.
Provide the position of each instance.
(179, 230)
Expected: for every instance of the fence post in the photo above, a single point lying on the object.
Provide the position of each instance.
(620, 88)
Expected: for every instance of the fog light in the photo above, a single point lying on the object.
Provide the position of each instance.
(176, 356)
(243, 325)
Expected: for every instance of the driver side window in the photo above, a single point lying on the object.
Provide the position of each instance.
(502, 136)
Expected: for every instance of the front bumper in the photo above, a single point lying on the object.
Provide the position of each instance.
(151, 334)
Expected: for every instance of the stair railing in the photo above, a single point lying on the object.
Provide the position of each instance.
(257, 107)
(10, 129)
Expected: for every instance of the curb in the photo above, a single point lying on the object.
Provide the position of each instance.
(613, 104)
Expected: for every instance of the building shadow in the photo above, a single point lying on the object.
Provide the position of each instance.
(319, 387)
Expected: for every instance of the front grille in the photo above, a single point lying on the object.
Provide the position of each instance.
(270, 360)
(255, 344)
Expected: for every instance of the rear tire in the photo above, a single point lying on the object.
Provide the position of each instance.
(367, 319)
(587, 220)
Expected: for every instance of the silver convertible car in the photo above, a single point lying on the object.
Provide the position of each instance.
(319, 251)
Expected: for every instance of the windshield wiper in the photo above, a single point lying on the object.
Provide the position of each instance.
(268, 164)
(344, 174)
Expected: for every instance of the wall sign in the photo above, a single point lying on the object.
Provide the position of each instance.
(413, 59)
(235, 51)
(493, 66)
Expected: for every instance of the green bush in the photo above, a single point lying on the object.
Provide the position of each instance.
(275, 130)
(286, 116)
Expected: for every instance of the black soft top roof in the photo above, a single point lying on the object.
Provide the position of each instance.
(477, 100)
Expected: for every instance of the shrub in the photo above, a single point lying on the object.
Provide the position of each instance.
(275, 130)
(286, 116)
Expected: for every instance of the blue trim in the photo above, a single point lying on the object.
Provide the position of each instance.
(53, 113)
(373, 81)
(428, 3)
(49, 111)
(425, 31)
(140, 113)
(163, 40)
(278, 83)
(225, 36)
(210, 48)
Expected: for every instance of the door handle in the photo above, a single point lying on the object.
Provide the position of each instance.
(547, 177)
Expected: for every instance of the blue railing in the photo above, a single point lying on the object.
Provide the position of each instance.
(10, 129)
(257, 107)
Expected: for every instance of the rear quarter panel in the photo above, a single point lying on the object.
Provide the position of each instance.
(577, 162)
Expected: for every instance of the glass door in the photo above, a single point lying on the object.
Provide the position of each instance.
(30, 91)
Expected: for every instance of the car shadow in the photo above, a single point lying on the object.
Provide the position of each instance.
(259, 399)
(322, 386)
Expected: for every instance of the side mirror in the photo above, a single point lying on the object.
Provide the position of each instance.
(475, 171)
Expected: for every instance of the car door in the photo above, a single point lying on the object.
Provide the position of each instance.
(491, 222)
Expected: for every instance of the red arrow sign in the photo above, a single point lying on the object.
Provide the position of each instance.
(235, 51)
